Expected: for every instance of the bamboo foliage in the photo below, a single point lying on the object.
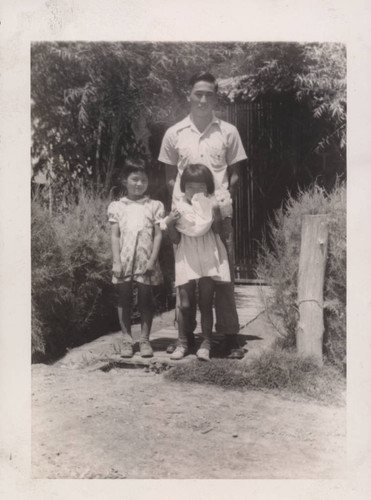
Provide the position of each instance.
(79, 89)
(86, 97)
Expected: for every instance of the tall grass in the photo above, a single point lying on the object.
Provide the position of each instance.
(71, 262)
(278, 263)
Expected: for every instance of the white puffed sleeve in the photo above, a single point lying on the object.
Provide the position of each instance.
(112, 211)
(158, 211)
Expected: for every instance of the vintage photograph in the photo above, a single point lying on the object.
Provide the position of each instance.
(188, 260)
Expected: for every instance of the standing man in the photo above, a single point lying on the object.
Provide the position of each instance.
(203, 138)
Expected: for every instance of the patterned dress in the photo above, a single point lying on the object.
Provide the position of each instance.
(136, 220)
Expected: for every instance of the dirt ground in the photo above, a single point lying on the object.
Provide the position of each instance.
(126, 423)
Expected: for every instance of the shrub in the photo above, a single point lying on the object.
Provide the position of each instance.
(274, 369)
(278, 264)
(71, 293)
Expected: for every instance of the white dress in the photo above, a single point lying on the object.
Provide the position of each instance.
(200, 252)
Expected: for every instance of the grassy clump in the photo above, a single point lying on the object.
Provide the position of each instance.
(278, 263)
(275, 369)
(71, 293)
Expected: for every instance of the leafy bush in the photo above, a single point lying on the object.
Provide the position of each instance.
(71, 292)
(278, 263)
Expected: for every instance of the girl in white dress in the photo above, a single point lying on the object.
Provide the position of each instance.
(135, 239)
(200, 256)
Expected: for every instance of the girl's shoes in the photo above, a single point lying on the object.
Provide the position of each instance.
(179, 352)
(145, 349)
(126, 350)
(203, 354)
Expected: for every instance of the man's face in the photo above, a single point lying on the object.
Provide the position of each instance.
(202, 99)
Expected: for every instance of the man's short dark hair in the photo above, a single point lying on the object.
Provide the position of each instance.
(197, 173)
(203, 76)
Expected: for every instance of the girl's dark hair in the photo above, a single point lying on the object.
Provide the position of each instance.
(197, 173)
(133, 166)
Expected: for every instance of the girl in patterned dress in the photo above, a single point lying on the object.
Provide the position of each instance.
(135, 240)
(200, 256)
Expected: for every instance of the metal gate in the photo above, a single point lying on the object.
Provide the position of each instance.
(270, 132)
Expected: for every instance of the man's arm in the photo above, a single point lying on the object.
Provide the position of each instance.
(171, 172)
(169, 157)
(235, 156)
(234, 178)
(217, 220)
(173, 233)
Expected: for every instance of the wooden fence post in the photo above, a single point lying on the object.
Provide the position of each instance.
(312, 264)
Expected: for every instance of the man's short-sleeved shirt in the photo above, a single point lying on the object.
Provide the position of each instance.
(218, 146)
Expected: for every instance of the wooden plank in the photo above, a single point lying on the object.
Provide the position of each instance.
(312, 263)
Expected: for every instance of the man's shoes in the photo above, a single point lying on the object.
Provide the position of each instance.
(233, 349)
(236, 353)
(145, 349)
(179, 352)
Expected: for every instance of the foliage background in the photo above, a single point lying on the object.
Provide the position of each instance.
(94, 104)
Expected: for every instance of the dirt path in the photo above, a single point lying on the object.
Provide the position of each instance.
(126, 423)
(132, 424)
